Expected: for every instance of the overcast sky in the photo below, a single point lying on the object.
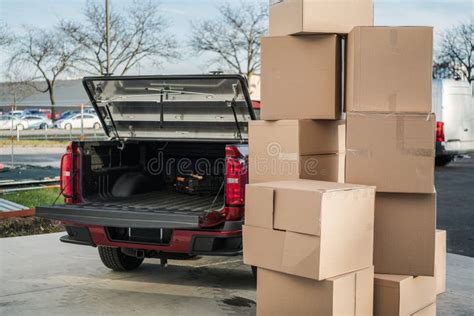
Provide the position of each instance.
(45, 13)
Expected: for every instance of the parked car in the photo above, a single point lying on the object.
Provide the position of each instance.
(35, 122)
(453, 103)
(35, 112)
(66, 114)
(47, 113)
(9, 122)
(74, 121)
(131, 197)
(15, 113)
(90, 111)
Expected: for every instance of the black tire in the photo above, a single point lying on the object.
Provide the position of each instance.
(68, 126)
(96, 126)
(114, 259)
(443, 161)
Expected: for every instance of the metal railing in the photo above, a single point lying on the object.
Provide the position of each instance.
(53, 134)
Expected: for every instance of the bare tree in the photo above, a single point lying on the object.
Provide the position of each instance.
(48, 55)
(16, 87)
(233, 38)
(6, 38)
(456, 53)
(138, 35)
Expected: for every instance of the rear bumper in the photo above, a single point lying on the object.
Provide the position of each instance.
(157, 231)
(454, 148)
(190, 242)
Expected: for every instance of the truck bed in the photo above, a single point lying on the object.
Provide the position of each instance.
(162, 201)
(163, 209)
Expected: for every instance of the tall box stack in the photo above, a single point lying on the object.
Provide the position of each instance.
(390, 145)
(309, 234)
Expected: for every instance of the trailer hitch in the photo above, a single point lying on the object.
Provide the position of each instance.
(164, 262)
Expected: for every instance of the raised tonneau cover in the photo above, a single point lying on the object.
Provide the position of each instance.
(190, 107)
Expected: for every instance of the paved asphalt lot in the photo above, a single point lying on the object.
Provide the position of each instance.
(455, 187)
(41, 276)
(33, 156)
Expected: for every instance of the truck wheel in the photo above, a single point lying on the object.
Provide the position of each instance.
(443, 161)
(114, 259)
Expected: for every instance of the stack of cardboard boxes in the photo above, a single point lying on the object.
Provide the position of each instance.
(312, 242)
(390, 144)
(309, 234)
(310, 239)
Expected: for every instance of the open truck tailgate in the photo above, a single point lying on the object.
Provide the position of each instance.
(152, 210)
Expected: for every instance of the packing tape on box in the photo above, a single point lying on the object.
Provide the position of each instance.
(389, 114)
(392, 101)
(393, 38)
(358, 152)
(275, 2)
(401, 138)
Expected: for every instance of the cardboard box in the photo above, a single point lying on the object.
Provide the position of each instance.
(312, 229)
(291, 17)
(427, 311)
(405, 233)
(402, 294)
(291, 150)
(301, 77)
(284, 294)
(440, 261)
(394, 152)
(389, 69)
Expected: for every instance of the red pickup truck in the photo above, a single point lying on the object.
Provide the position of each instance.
(170, 181)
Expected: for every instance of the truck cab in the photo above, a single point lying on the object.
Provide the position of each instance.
(169, 182)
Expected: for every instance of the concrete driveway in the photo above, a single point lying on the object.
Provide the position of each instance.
(41, 276)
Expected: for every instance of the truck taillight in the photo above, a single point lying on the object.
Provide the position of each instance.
(235, 180)
(69, 176)
(440, 132)
(236, 177)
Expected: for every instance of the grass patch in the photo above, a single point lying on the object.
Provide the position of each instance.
(33, 198)
(34, 143)
(14, 227)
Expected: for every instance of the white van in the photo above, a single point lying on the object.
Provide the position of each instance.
(453, 103)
